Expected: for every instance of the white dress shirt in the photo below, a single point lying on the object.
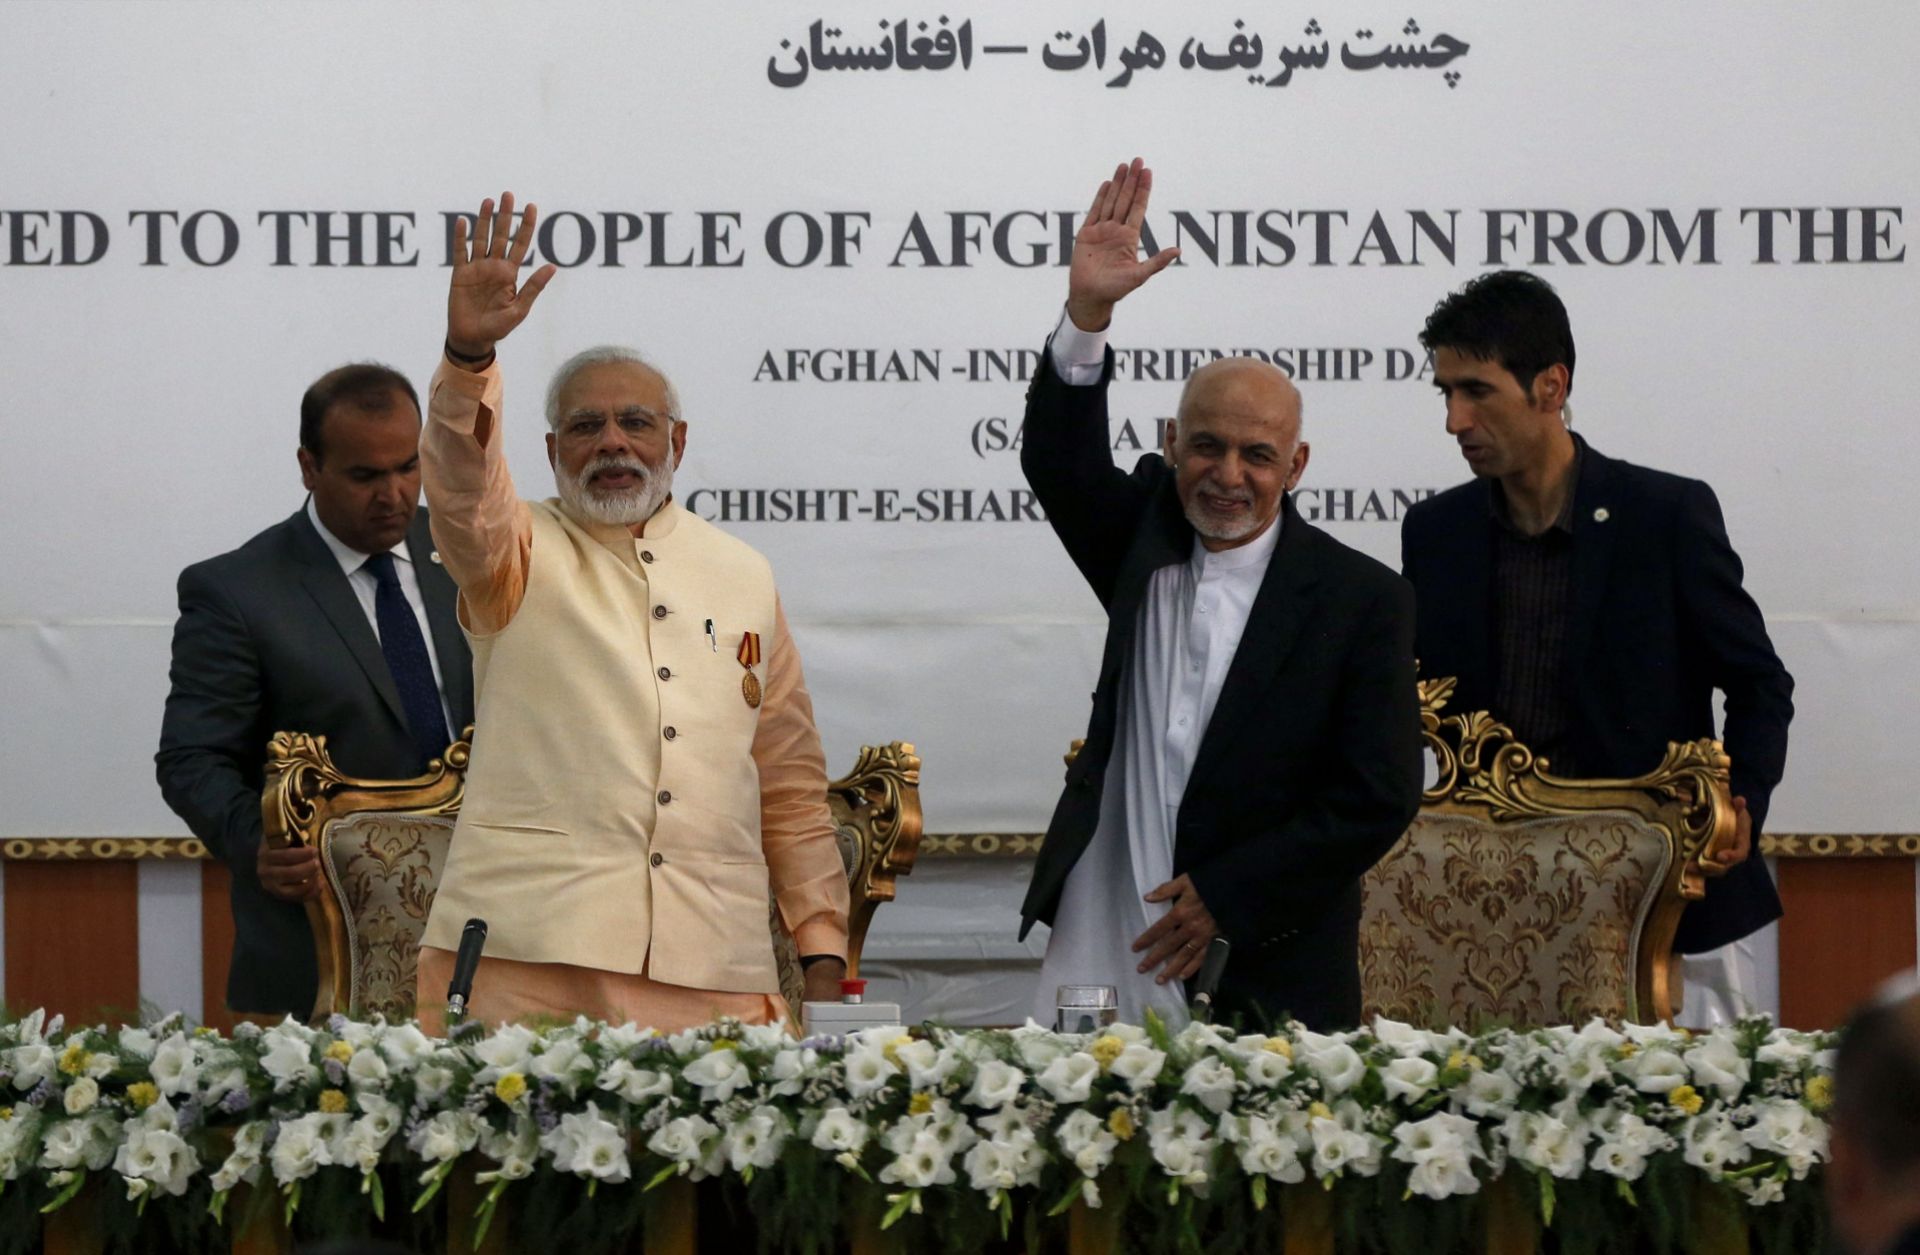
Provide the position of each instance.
(353, 564)
(1078, 356)
(1190, 627)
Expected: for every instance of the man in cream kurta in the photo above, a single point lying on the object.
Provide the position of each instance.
(645, 765)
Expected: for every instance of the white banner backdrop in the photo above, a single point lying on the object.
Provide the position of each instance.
(203, 207)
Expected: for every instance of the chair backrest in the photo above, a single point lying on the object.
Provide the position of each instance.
(383, 844)
(1524, 898)
(876, 819)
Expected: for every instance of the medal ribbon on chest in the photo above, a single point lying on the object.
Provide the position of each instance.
(749, 656)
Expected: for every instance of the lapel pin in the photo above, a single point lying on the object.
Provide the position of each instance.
(434, 557)
(1599, 516)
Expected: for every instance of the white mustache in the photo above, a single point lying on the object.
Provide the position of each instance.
(1212, 489)
(614, 462)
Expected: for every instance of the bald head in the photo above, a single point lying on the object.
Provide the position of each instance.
(1235, 448)
(1247, 382)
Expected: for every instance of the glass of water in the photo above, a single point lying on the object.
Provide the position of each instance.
(1084, 1008)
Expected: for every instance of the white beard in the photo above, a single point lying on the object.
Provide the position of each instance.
(622, 507)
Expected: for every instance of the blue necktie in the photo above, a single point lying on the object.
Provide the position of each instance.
(407, 660)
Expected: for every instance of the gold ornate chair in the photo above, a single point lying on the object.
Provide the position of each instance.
(876, 819)
(1523, 898)
(383, 844)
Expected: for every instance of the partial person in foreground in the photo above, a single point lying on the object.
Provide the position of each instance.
(338, 621)
(645, 758)
(1254, 745)
(1591, 604)
(1873, 1167)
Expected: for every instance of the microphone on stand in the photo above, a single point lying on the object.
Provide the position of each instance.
(1207, 980)
(473, 938)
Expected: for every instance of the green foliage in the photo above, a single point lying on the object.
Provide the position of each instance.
(20, 1204)
(553, 1212)
(801, 1205)
(947, 1225)
(1795, 1224)
(1399, 1227)
(1665, 1202)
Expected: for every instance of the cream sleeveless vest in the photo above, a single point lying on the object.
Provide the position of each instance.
(612, 811)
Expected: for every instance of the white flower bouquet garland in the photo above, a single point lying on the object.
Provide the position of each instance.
(955, 1135)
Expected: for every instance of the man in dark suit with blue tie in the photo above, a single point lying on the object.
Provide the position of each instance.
(1591, 604)
(339, 622)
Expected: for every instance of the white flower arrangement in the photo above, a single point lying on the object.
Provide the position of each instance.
(932, 1118)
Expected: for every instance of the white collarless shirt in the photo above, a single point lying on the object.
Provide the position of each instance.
(353, 564)
(1189, 629)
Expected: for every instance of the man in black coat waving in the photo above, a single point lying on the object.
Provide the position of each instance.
(1254, 746)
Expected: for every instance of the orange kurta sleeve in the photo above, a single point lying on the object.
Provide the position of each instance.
(796, 827)
(480, 525)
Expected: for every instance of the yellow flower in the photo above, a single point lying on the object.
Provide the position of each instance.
(1475, 1063)
(75, 1059)
(723, 1043)
(920, 1104)
(1320, 1111)
(1121, 1125)
(333, 1102)
(1456, 1060)
(1278, 1046)
(6, 1113)
(510, 1087)
(205, 1031)
(1627, 1049)
(1820, 1093)
(1105, 1050)
(339, 1051)
(1687, 1099)
(891, 1051)
(143, 1094)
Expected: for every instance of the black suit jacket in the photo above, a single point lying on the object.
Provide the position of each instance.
(1310, 767)
(1660, 620)
(271, 638)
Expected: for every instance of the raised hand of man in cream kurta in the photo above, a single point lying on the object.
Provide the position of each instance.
(486, 299)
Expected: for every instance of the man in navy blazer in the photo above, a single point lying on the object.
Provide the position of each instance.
(338, 621)
(1591, 604)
